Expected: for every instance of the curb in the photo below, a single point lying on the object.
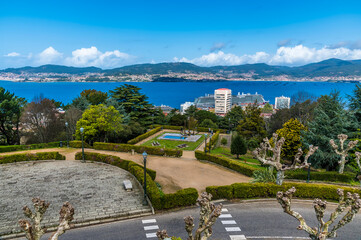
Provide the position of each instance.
(83, 224)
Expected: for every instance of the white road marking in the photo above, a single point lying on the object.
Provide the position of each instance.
(277, 237)
(233, 229)
(153, 227)
(151, 235)
(224, 210)
(229, 222)
(225, 216)
(149, 221)
(237, 237)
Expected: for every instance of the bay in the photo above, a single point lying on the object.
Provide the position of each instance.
(175, 93)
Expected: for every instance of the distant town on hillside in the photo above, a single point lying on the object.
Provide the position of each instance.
(328, 70)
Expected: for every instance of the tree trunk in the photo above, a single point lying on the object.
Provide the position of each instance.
(280, 177)
(342, 164)
(237, 156)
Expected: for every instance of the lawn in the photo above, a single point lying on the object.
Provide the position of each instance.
(226, 152)
(171, 144)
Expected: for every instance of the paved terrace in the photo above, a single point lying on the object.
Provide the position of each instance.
(94, 189)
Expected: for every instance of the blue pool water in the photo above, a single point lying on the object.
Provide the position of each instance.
(174, 137)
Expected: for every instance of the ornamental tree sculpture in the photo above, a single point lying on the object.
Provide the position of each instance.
(321, 232)
(274, 159)
(208, 216)
(358, 156)
(342, 152)
(34, 231)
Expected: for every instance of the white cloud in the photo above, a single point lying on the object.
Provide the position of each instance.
(221, 58)
(296, 55)
(12, 54)
(93, 57)
(49, 55)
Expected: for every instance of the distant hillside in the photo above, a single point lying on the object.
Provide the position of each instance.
(331, 67)
(159, 68)
(53, 69)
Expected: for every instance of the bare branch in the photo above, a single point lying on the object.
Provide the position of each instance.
(340, 150)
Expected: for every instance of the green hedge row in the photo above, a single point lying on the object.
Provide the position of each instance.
(321, 176)
(226, 162)
(213, 140)
(144, 136)
(139, 149)
(12, 148)
(268, 190)
(31, 157)
(113, 160)
(184, 197)
(77, 144)
(200, 129)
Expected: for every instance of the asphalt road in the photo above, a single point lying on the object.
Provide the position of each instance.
(246, 220)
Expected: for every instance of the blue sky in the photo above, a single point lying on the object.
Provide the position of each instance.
(110, 34)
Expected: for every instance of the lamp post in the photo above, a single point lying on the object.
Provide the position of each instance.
(67, 134)
(229, 124)
(82, 143)
(145, 177)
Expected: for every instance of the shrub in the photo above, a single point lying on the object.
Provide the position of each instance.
(213, 140)
(238, 146)
(139, 149)
(269, 190)
(263, 176)
(228, 163)
(113, 160)
(77, 144)
(144, 136)
(224, 141)
(329, 176)
(31, 157)
(12, 148)
(219, 192)
(184, 197)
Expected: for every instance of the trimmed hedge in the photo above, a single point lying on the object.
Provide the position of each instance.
(228, 163)
(118, 147)
(321, 176)
(213, 140)
(12, 148)
(144, 136)
(31, 157)
(200, 129)
(113, 160)
(77, 144)
(269, 190)
(184, 197)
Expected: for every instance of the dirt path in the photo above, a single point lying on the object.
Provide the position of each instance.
(172, 173)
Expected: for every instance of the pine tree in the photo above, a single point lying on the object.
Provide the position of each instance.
(330, 119)
(134, 103)
(238, 146)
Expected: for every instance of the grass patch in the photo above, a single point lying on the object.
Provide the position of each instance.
(171, 144)
(226, 152)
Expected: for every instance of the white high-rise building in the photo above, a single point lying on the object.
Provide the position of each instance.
(282, 102)
(223, 101)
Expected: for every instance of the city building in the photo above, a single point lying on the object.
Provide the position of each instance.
(282, 102)
(185, 106)
(165, 109)
(223, 101)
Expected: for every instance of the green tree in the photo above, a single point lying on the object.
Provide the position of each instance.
(238, 146)
(224, 141)
(11, 107)
(291, 132)
(232, 118)
(201, 115)
(94, 97)
(252, 125)
(81, 103)
(355, 102)
(99, 121)
(134, 103)
(208, 123)
(277, 120)
(330, 119)
(267, 108)
(177, 119)
(190, 112)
